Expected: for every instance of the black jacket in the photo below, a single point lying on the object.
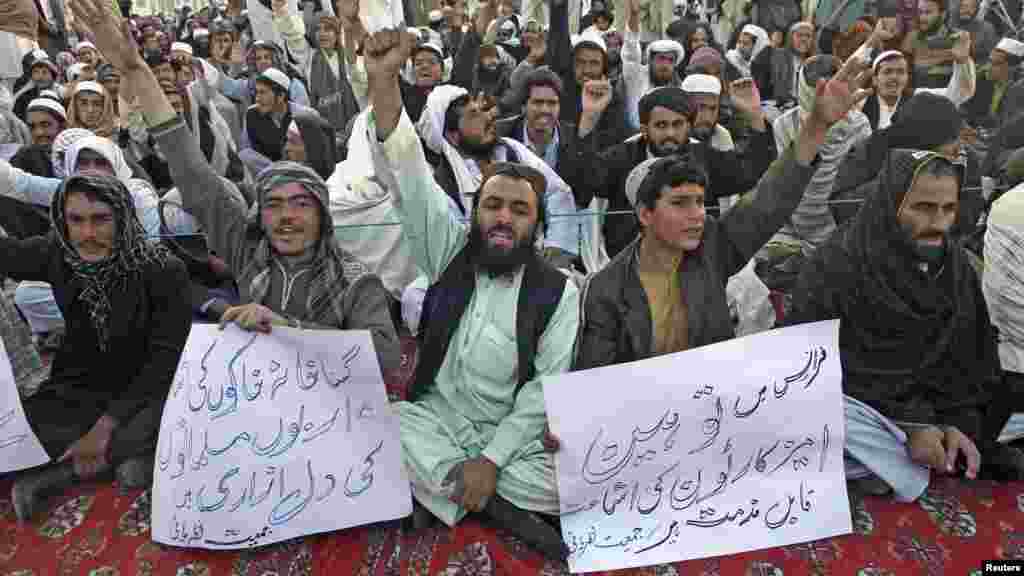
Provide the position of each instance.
(149, 324)
(611, 128)
(616, 323)
(576, 157)
(728, 173)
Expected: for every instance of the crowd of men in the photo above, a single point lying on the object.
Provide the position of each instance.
(556, 202)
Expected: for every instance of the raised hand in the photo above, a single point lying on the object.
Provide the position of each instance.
(837, 96)
(745, 97)
(113, 35)
(596, 96)
(385, 52)
(348, 11)
(962, 47)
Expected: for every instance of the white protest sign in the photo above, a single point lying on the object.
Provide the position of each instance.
(19, 446)
(267, 437)
(718, 450)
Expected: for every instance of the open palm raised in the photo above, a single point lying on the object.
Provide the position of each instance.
(838, 95)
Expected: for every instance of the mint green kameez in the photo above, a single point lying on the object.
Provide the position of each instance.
(473, 409)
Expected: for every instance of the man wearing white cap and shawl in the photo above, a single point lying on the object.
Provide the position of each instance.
(638, 79)
(90, 107)
(892, 77)
(1000, 93)
(780, 83)
(750, 42)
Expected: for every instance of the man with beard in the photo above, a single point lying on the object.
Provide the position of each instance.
(921, 369)
(1000, 93)
(127, 305)
(666, 118)
(565, 149)
(930, 45)
(462, 130)
(750, 42)
(578, 60)
(496, 320)
(639, 79)
(44, 74)
(46, 118)
(707, 100)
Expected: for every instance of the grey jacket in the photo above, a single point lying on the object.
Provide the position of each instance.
(616, 326)
(216, 204)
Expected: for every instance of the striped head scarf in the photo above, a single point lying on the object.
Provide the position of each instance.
(131, 251)
(334, 270)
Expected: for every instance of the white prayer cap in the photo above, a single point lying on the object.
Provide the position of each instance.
(52, 94)
(200, 32)
(1011, 47)
(665, 45)
(590, 37)
(432, 46)
(38, 54)
(887, 55)
(801, 24)
(44, 60)
(48, 105)
(89, 86)
(702, 84)
(85, 44)
(636, 178)
(181, 47)
(435, 16)
(276, 77)
(752, 30)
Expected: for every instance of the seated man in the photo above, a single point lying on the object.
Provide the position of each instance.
(1003, 286)
(289, 269)
(665, 292)
(920, 365)
(101, 408)
(496, 320)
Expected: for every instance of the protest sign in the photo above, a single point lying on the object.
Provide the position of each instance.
(267, 437)
(718, 450)
(19, 446)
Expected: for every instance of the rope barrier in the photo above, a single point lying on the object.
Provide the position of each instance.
(596, 213)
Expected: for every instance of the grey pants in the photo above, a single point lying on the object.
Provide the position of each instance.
(876, 446)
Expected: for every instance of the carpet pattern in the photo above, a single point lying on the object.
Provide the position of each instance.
(95, 530)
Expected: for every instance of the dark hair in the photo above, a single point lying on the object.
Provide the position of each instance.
(516, 171)
(669, 97)
(671, 171)
(940, 168)
(274, 87)
(454, 113)
(542, 76)
(940, 4)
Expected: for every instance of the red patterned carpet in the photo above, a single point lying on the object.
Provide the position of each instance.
(95, 531)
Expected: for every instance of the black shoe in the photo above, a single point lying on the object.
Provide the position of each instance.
(33, 488)
(528, 526)
(135, 473)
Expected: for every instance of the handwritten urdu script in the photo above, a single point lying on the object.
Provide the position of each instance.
(19, 446)
(267, 437)
(718, 450)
